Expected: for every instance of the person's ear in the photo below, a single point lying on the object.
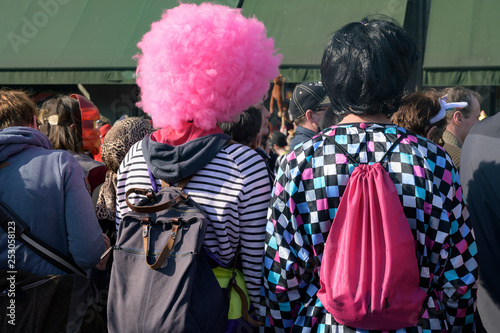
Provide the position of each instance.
(309, 115)
(458, 118)
(34, 123)
(431, 133)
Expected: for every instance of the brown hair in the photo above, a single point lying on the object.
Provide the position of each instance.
(415, 111)
(16, 108)
(65, 129)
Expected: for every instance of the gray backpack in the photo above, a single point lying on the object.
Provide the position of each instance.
(161, 279)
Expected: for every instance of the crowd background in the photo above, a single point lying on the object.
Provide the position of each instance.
(266, 156)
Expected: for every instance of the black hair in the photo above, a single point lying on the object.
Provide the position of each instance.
(246, 129)
(329, 118)
(279, 139)
(366, 65)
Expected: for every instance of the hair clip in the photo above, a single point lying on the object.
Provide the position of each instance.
(446, 107)
(52, 120)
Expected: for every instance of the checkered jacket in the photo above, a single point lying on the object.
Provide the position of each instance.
(306, 195)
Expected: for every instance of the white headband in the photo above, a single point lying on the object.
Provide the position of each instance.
(446, 107)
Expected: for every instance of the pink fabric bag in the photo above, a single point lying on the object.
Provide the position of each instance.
(369, 272)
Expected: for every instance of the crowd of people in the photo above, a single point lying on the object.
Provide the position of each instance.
(270, 201)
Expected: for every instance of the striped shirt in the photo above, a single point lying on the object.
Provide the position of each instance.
(234, 191)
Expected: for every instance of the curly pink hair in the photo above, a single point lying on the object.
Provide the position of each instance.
(204, 64)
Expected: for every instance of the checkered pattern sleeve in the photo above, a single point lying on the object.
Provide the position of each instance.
(308, 189)
(286, 259)
(456, 275)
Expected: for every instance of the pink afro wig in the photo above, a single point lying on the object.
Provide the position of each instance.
(204, 64)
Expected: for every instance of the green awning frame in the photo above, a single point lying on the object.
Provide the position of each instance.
(442, 77)
(32, 77)
(93, 41)
(463, 44)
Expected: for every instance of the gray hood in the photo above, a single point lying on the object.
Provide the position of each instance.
(174, 163)
(16, 139)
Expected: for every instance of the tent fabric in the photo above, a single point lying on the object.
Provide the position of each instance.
(68, 42)
(463, 44)
(302, 29)
(94, 41)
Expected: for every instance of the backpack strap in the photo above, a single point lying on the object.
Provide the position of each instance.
(164, 184)
(150, 194)
(181, 183)
(233, 284)
(398, 140)
(44, 250)
(168, 246)
(353, 161)
(244, 306)
(154, 208)
(342, 149)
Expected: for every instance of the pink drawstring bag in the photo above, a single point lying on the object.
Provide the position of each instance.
(369, 272)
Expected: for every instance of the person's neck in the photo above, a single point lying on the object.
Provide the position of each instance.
(354, 118)
(311, 126)
(280, 151)
(455, 133)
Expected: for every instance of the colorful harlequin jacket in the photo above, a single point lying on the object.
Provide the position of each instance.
(306, 195)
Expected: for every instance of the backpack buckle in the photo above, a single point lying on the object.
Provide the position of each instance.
(150, 195)
(145, 226)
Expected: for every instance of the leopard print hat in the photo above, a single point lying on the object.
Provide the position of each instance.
(115, 146)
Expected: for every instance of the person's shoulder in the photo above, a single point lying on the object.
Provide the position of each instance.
(242, 156)
(488, 126)
(236, 149)
(135, 150)
(60, 155)
(425, 149)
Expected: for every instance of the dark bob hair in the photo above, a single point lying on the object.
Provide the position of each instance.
(366, 65)
(246, 129)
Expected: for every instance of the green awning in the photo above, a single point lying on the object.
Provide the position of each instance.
(69, 42)
(93, 41)
(301, 29)
(463, 44)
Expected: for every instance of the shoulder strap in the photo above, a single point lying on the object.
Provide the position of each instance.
(47, 252)
(339, 147)
(353, 161)
(148, 193)
(398, 140)
(182, 183)
(164, 184)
